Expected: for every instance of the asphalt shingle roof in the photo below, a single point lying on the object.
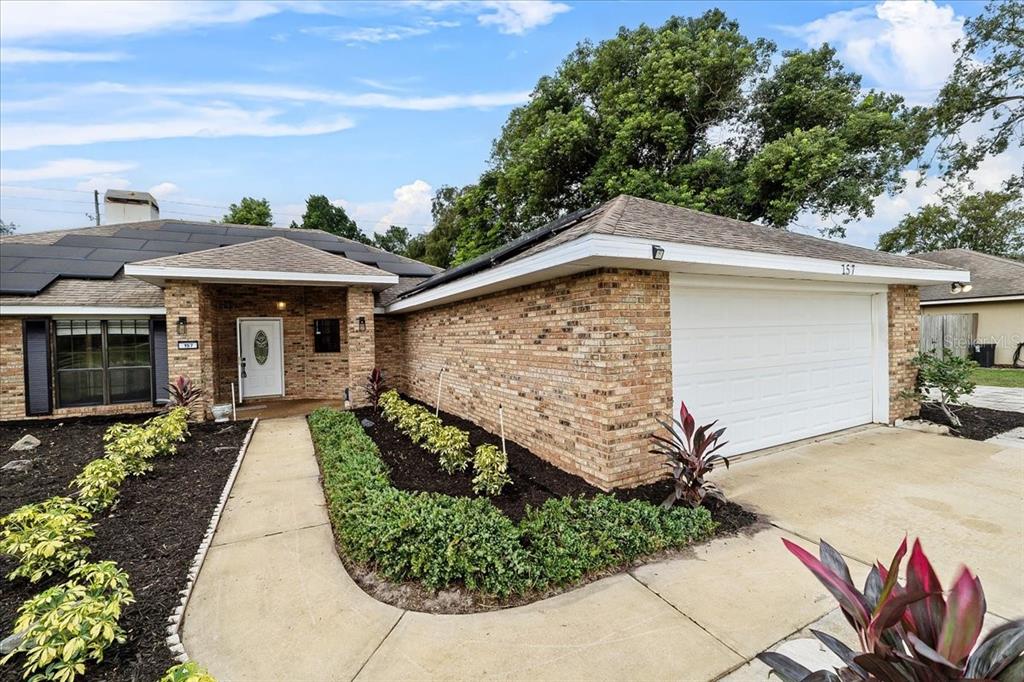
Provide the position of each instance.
(991, 276)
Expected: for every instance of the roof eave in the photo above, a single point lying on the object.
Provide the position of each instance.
(160, 275)
(595, 250)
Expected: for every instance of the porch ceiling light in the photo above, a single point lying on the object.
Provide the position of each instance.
(657, 252)
(182, 326)
(960, 287)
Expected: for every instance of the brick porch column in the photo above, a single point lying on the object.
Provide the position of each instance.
(904, 343)
(191, 300)
(361, 352)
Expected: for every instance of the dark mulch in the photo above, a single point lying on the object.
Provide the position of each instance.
(533, 479)
(979, 423)
(152, 532)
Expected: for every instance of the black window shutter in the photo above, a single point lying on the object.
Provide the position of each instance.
(38, 391)
(158, 353)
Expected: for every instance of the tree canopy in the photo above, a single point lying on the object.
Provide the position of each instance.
(689, 113)
(985, 89)
(249, 211)
(321, 214)
(989, 222)
(395, 240)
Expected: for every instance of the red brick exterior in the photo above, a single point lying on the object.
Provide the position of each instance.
(581, 364)
(904, 343)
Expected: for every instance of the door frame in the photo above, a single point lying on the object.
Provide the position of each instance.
(238, 353)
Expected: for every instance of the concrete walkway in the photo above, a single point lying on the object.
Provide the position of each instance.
(273, 601)
(997, 398)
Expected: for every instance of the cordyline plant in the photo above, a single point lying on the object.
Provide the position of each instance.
(183, 393)
(690, 453)
(375, 387)
(908, 633)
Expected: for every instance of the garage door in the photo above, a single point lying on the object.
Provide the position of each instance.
(772, 366)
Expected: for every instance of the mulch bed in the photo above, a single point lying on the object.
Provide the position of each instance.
(533, 479)
(152, 532)
(979, 423)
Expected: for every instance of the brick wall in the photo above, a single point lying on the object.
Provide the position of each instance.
(362, 342)
(581, 364)
(191, 300)
(904, 342)
(389, 349)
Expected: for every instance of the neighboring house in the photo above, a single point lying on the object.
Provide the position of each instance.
(996, 296)
(586, 331)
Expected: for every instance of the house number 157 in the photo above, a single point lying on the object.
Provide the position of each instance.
(848, 268)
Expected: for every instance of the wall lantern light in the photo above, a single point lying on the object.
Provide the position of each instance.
(281, 305)
(362, 323)
(657, 252)
(958, 287)
(182, 326)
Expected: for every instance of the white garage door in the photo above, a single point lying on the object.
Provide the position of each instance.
(772, 366)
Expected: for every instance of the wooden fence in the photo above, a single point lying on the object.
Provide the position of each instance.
(953, 333)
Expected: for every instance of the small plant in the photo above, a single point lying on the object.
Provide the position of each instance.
(690, 454)
(948, 376)
(184, 393)
(45, 537)
(167, 430)
(907, 633)
(99, 483)
(451, 445)
(72, 623)
(491, 466)
(374, 388)
(187, 672)
(132, 445)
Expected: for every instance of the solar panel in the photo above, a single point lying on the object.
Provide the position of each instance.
(362, 257)
(71, 267)
(311, 236)
(256, 232)
(24, 283)
(7, 263)
(405, 269)
(97, 242)
(194, 228)
(178, 247)
(150, 234)
(127, 256)
(44, 251)
(217, 239)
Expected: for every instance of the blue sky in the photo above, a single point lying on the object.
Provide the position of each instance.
(373, 104)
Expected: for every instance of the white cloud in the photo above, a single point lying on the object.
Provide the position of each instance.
(901, 46)
(409, 207)
(164, 190)
(103, 183)
(377, 34)
(22, 55)
(516, 17)
(65, 168)
(210, 121)
(109, 18)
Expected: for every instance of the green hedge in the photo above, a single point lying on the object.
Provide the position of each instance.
(442, 540)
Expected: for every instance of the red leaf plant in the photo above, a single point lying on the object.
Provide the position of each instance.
(909, 632)
(375, 387)
(690, 455)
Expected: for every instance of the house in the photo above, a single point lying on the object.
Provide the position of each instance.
(585, 331)
(995, 295)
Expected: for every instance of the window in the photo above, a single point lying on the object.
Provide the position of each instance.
(327, 336)
(100, 362)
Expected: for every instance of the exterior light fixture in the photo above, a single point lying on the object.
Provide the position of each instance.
(960, 287)
(281, 305)
(182, 325)
(362, 323)
(657, 252)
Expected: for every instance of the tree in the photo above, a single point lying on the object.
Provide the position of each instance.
(395, 240)
(988, 222)
(689, 113)
(987, 84)
(249, 211)
(321, 214)
(7, 228)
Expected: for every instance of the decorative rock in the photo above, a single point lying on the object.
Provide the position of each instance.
(367, 424)
(9, 644)
(17, 466)
(181, 658)
(26, 442)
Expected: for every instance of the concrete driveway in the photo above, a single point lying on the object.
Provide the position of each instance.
(273, 601)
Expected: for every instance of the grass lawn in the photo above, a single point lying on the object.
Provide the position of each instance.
(992, 376)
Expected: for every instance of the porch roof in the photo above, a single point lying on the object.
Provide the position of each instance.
(274, 260)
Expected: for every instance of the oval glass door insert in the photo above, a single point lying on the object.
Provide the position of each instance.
(261, 347)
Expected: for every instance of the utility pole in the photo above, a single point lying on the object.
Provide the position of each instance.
(96, 202)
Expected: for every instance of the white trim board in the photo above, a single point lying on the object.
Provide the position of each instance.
(595, 251)
(78, 311)
(980, 299)
(158, 275)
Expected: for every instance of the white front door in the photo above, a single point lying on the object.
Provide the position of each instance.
(260, 357)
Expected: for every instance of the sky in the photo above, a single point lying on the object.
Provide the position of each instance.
(374, 104)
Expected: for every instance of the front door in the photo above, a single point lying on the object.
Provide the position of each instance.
(260, 357)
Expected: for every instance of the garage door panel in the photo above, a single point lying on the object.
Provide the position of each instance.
(772, 366)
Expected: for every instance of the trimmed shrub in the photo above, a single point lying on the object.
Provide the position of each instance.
(491, 466)
(45, 537)
(73, 622)
(443, 540)
(99, 483)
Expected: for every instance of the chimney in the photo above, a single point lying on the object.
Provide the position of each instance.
(125, 206)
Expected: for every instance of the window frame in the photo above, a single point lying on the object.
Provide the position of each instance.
(104, 369)
(317, 335)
